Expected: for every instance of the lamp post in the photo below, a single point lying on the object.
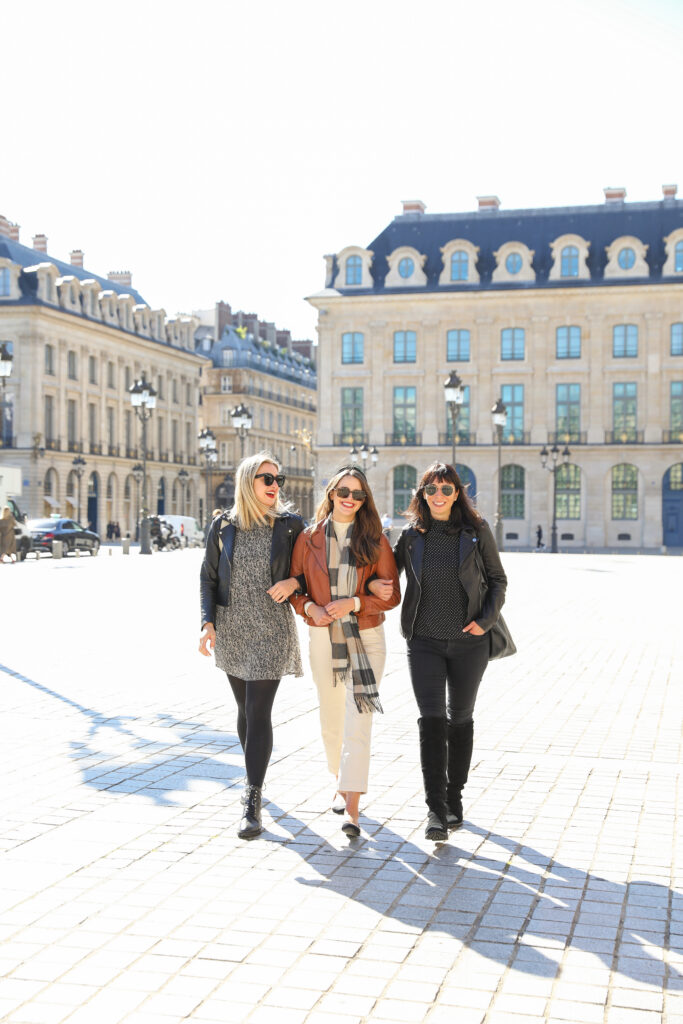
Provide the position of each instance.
(306, 438)
(207, 451)
(79, 469)
(138, 473)
(183, 476)
(6, 363)
(454, 393)
(499, 414)
(369, 454)
(143, 398)
(242, 422)
(553, 468)
(353, 454)
(37, 452)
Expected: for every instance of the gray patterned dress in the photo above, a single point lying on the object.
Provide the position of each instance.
(255, 637)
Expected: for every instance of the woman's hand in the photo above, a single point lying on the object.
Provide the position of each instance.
(207, 640)
(383, 589)
(283, 589)
(474, 629)
(319, 616)
(338, 609)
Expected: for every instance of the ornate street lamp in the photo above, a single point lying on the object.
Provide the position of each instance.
(454, 393)
(79, 465)
(207, 451)
(553, 468)
(6, 363)
(368, 453)
(183, 477)
(138, 473)
(499, 415)
(242, 423)
(353, 454)
(143, 398)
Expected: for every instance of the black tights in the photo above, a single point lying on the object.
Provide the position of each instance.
(254, 727)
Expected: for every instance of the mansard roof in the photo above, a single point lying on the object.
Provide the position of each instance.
(489, 229)
(257, 354)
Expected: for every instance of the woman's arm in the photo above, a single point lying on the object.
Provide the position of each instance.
(208, 575)
(296, 571)
(495, 574)
(385, 569)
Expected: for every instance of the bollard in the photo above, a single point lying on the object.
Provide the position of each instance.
(78, 552)
(111, 551)
(125, 545)
(57, 549)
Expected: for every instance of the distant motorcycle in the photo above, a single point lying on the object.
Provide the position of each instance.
(162, 535)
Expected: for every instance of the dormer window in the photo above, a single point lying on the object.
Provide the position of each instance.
(570, 253)
(626, 257)
(513, 263)
(4, 282)
(678, 258)
(354, 270)
(460, 263)
(570, 261)
(406, 267)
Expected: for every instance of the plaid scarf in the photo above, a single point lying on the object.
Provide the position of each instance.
(348, 653)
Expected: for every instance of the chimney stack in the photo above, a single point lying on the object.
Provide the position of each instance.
(488, 203)
(14, 232)
(40, 243)
(77, 258)
(123, 277)
(614, 195)
(413, 206)
(669, 192)
(8, 229)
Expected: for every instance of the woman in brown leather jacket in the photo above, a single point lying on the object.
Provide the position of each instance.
(337, 557)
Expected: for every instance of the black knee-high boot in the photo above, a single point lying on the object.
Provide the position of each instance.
(460, 743)
(433, 757)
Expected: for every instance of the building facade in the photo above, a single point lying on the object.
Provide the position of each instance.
(78, 343)
(255, 365)
(572, 316)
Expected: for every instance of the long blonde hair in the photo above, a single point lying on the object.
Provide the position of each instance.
(248, 511)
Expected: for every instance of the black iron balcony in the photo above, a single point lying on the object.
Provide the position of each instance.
(626, 436)
(113, 449)
(408, 438)
(672, 436)
(567, 437)
(74, 446)
(131, 453)
(95, 448)
(462, 437)
(513, 437)
(163, 456)
(53, 444)
(352, 437)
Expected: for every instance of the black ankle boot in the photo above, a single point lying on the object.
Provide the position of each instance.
(433, 757)
(250, 825)
(460, 743)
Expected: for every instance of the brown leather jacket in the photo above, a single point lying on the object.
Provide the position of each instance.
(310, 560)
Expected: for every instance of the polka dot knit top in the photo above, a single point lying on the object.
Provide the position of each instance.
(442, 611)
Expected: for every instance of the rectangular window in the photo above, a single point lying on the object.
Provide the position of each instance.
(49, 418)
(512, 492)
(677, 339)
(512, 343)
(624, 492)
(676, 413)
(111, 375)
(226, 385)
(228, 357)
(568, 412)
(352, 347)
(352, 413)
(71, 365)
(71, 424)
(568, 343)
(4, 282)
(92, 423)
(188, 394)
(161, 437)
(160, 388)
(462, 425)
(127, 375)
(513, 399)
(624, 341)
(405, 346)
(111, 426)
(174, 387)
(50, 359)
(174, 437)
(188, 438)
(92, 370)
(405, 413)
(458, 346)
(625, 411)
(129, 429)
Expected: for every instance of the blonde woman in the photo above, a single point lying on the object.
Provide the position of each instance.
(336, 557)
(245, 583)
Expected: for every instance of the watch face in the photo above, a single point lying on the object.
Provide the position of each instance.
(513, 263)
(626, 258)
(406, 267)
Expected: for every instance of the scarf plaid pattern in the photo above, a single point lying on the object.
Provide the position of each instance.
(348, 653)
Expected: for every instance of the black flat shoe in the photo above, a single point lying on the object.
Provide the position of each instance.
(435, 830)
(250, 825)
(349, 827)
(338, 803)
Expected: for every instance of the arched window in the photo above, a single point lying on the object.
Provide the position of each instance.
(678, 257)
(469, 481)
(460, 265)
(512, 492)
(354, 270)
(624, 492)
(405, 482)
(161, 497)
(569, 261)
(568, 501)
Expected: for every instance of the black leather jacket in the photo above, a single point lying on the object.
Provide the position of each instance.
(481, 574)
(216, 571)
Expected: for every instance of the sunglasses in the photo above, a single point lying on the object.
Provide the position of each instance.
(269, 479)
(446, 489)
(343, 492)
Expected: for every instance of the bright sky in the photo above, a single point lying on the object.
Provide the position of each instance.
(217, 149)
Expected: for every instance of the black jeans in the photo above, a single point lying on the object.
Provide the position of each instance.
(447, 668)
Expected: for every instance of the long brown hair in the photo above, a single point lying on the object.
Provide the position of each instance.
(367, 526)
(463, 512)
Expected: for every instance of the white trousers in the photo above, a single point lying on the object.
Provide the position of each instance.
(346, 732)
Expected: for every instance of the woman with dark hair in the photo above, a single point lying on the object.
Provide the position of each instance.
(336, 557)
(245, 583)
(455, 588)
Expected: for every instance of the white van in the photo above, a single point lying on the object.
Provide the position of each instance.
(191, 532)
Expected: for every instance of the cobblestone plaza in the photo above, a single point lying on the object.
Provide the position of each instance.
(125, 894)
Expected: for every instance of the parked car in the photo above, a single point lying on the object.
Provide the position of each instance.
(72, 535)
(187, 528)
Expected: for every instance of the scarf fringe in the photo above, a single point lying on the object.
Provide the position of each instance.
(368, 704)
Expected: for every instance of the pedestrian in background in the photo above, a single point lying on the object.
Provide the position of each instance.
(8, 546)
(455, 588)
(539, 537)
(245, 582)
(336, 557)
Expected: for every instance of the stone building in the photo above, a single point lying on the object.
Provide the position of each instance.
(572, 316)
(78, 342)
(255, 365)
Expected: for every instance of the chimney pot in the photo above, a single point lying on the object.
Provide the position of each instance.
(413, 206)
(123, 277)
(614, 195)
(40, 243)
(488, 203)
(4, 227)
(14, 232)
(669, 191)
(77, 258)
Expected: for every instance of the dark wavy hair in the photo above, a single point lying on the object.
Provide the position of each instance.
(367, 526)
(463, 512)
